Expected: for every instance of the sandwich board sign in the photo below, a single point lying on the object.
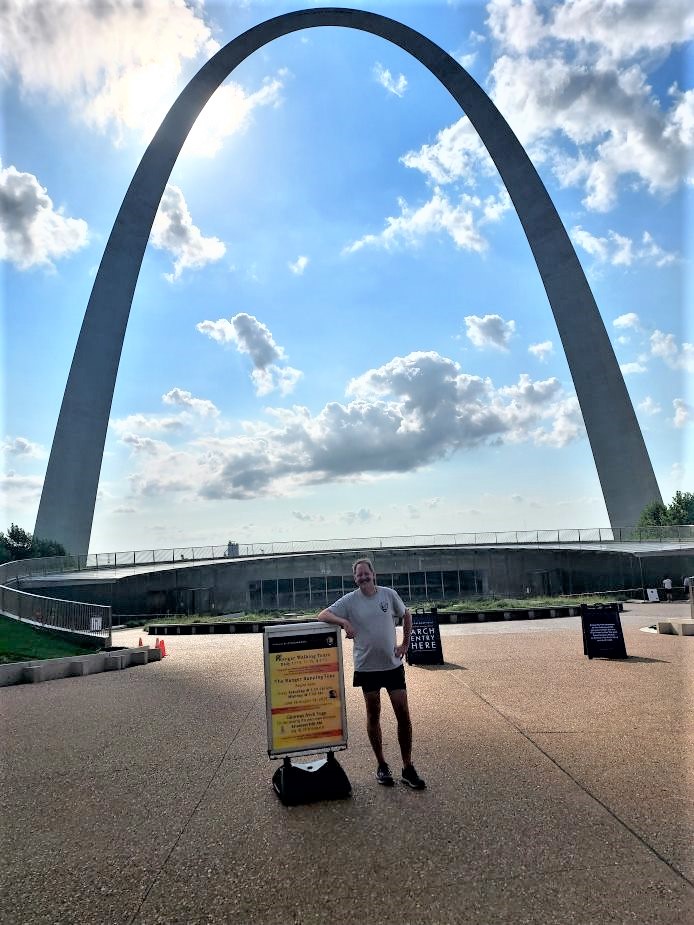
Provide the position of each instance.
(425, 640)
(602, 631)
(304, 689)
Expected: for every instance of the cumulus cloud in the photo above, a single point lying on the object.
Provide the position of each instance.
(489, 331)
(649, 406)
(542, 350)
(438, 215)
(629, 320)
(184, 399)
(250, 336)
(400, 417)
(32, 231)
(118, 64)
(620, 250)
(385, 78)
(174, 231)
(630, 369)
(456, 154)
(298, 266)
(683, 412)
(576, 72)
(21, 447)
(665, 347)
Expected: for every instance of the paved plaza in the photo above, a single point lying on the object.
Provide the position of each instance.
(559, 791)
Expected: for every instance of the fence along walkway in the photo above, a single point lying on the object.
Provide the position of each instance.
(50, 612)
(130, 558)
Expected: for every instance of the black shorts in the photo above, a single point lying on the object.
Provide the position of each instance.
(370, 681)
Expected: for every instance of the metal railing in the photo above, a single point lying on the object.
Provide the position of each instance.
(50, 612)
(53, 613)
(192, 554)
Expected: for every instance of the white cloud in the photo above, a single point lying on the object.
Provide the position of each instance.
(623, 30)
(542, 350)
(434, 217)
(683, 412)
(467, 61)
(517, 25)
(402, 416)
(628, 320)
(140, 444)
(629, 369)
(229, 112)
(619, 250)
(614, 124)
(252, 337)
(457, 154)
(489, 331)
(21, 447)
(117, 64)
(649, 406)
(174, 231)
(32, 231)
(385, 78)
(665, 347)
(298, 266)
(201, 406)
(150, 423)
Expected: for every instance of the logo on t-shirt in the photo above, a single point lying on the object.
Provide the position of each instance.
(384, 606)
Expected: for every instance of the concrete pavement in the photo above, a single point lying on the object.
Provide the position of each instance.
(559, 791)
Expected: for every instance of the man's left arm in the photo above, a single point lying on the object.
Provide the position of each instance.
(406, 633)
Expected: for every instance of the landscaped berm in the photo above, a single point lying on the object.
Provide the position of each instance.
(22, 642)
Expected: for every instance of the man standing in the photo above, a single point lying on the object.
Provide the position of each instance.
(667, 584)
(368, 616)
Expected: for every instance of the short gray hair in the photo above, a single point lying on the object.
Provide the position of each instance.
(364, 561)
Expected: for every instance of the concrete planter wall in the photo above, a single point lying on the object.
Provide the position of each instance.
(461, 616)
(51, 669)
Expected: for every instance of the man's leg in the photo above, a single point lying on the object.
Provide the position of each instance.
(402, 714)
(373, 723)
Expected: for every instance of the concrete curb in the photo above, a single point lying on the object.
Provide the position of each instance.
(676, 627)
(72, 666)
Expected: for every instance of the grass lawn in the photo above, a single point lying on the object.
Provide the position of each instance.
(20, 642)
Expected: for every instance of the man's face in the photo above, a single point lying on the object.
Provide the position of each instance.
(364, 577)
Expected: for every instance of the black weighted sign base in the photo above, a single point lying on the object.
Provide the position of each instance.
(295, 784)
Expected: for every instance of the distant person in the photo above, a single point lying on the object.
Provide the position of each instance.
(367, 615)
(686, 582)
(667, 584)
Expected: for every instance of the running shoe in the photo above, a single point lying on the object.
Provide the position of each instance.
(384, 775)
(411, 778)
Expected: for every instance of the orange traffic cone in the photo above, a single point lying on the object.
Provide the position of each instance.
(162, 647)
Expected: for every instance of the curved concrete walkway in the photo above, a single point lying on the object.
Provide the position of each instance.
(559, 791)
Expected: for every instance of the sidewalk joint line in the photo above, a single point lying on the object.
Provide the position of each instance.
(589, 793)
(193, 811)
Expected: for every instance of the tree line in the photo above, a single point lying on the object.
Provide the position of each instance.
(678, 512)
(20, 544)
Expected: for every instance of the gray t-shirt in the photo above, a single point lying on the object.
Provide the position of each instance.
(373, 619)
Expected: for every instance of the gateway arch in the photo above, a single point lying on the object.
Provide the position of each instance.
(66, 508)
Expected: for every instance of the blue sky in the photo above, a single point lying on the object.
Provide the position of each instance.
(338, 328)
